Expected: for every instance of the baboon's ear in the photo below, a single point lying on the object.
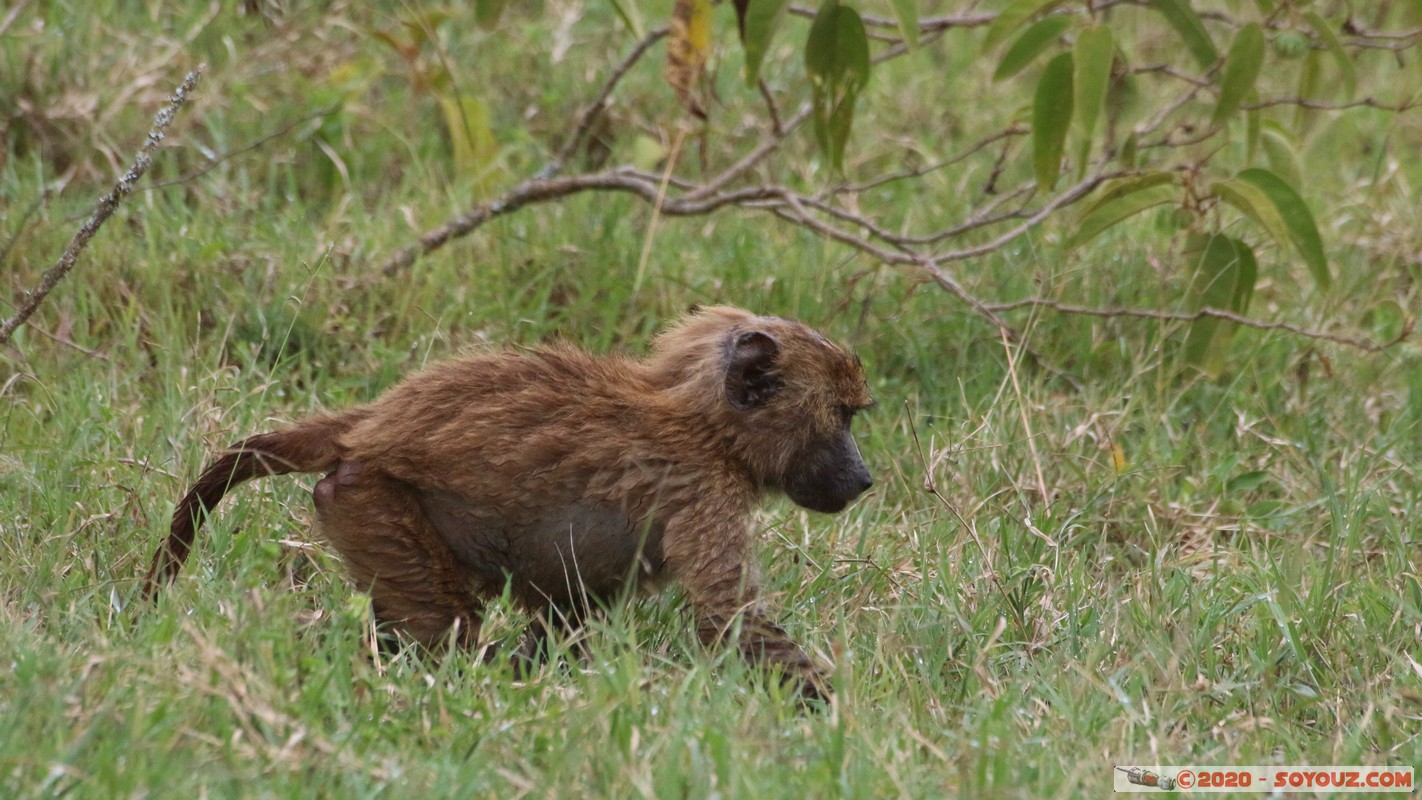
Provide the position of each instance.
(751, 378)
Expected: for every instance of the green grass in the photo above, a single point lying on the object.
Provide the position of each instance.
(1225, 570)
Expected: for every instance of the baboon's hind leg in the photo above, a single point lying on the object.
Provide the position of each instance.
(415, 583)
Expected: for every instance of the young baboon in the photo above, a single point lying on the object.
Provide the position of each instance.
(564, 476)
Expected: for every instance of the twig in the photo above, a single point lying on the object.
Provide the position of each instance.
(1026, 424)
(1167, 69)
(765, 148)
(776, 128)
(221, 157)
(800, 210)
(1191, 316)
(1022, 207)
(69, 343)
(657, 211)
(802, 218)
(1351, 27)
(12, 16)
(1319, 105)
(919, 172)
(107, 204)
(599, 103)
(1066, 198)
(531, 191)
(925, 24)
(24, 218)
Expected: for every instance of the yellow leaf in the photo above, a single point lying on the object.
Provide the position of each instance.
(687, 50)
(647, 153)
(467, 121)
(1118, 458)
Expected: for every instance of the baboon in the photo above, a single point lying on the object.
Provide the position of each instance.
(563, 476)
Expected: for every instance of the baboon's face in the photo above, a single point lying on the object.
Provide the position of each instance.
(827, 474)
(799, 394)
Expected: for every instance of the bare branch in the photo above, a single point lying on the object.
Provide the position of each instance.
(776, 127)
(11, 16)
(1172, 71)
(1009, 214)
(106, 207)
(1066, 198)
(918, 172)
(67, 342)
(247, 148)
(925, 24)
(801, 211)
(24, 220)
(765, 148)
(599, 104)
(1191, 316)
(1319, 105)
(1167, 110)
(534, 190)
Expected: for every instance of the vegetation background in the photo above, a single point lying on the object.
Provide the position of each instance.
(1223, 569)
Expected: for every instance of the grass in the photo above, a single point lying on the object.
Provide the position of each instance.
(1225, 572)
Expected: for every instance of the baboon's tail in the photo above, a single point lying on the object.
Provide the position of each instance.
(308, 447)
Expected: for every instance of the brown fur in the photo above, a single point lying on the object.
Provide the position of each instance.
(564, 475)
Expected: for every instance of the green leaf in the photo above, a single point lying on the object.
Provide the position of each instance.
(1248, 276)
(1255, 204)
(906, 11)
(1012, 17)
(1103, 215)
(1123, 186)
(1280, 152)
(1241, 69)
(837, 61)
(838, 48)
(1122, 99)
(1091, 75)
(629, 17)
(1225, 279)
(1303, 231)
(1187, 23)
(1222, 266)
(647, 153)
(1246, 482)
(1030, 44)
(1130, 149)
(1051, 118)
(472, 139)
(487, 13)
(762, 19)
(1335, 49)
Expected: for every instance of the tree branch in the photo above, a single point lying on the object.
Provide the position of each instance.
(1191, 316)
(1009, 214)
(1320, 105)
(599, 104)
(213, 162)
(106, 207)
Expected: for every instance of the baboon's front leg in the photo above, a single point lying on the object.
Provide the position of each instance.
(415, 583)
(765, 644)
(714, 568)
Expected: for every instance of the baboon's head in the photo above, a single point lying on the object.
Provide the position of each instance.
(786, 397)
